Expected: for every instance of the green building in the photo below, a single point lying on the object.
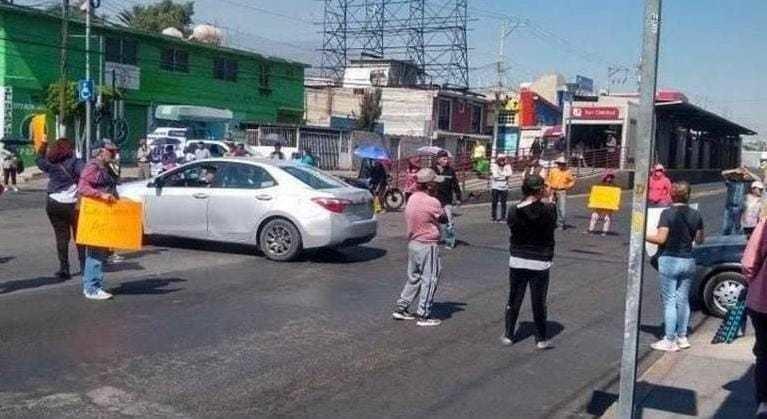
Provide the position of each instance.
(149, 70)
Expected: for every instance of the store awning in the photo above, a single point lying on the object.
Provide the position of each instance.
(699, 119)
(192, 113)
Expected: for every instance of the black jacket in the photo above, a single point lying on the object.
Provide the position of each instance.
(532, 231)
(448, 187)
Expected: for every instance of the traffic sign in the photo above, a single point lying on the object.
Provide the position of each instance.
(85, 90)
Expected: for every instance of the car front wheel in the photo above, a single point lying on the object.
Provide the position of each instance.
(722, 291)
(280, 240)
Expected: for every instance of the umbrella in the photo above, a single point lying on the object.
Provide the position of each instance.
(432, 150)
(555, 131)
(375, 152)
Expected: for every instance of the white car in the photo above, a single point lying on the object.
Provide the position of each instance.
(282, 207)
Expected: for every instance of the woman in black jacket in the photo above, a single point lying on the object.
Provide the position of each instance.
(63, 170)
(531, 246)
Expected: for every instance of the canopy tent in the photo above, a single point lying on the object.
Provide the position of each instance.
(192, 113)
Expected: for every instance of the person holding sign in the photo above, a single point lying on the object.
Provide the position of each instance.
(679, 227)
(97, 182)
(604, 208)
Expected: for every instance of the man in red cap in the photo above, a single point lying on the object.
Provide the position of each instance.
(97, 182)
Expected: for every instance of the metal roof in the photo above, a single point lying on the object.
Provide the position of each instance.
(700, 119)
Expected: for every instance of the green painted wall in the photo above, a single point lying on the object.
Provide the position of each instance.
(29, 62)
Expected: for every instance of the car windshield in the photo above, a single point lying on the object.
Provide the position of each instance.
(314, 178)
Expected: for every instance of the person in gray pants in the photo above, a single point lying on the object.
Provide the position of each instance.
(423, 215)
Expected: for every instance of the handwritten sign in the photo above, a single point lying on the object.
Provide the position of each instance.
(605, 198)
(116, 225)
(653, 217)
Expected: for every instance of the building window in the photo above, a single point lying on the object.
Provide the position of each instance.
(443, 121)
(175, 60)
(225, 69)
(121, 50)
(264, 79)
(476, 119)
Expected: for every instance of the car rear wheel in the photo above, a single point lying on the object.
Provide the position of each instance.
(394, 199)
(722, 291)
(280, 240)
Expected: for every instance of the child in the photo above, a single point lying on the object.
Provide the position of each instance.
(752, 208)
(606, 215)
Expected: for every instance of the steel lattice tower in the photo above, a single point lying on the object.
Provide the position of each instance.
(430, 33)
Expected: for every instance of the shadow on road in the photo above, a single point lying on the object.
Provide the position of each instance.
(151, 286)
(6, 259)
(11, 286)
(739, 400)
(141, 253)
(444, 311)
(356, 254)
(674, 400)
(191, 244)
(656, 331)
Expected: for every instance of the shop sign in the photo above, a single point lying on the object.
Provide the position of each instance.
(596, 113)
(6, 111)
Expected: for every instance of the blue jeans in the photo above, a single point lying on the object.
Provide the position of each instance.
(676, 275)
(561, 208)
(731, 222)
(93, 275)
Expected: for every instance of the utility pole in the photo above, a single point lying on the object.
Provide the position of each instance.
(100, 99)
(645, 145)
(500, 70)
(63, 68)
(89, 102)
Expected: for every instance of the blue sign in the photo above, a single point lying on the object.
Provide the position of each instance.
(85, 90)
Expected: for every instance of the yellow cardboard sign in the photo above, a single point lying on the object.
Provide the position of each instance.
(117, 225)
(605, 198)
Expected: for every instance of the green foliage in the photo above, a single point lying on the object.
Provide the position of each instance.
(370, 109)
(73, 108)
(156, 17)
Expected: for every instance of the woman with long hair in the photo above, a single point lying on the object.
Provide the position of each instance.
(63, 169)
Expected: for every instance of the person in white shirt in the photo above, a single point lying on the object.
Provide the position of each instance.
(500, 175)
(202, 152)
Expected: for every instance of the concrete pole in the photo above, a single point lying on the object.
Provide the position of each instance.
(644, 147)
(89, 102)
(61, 126)
(101, 84)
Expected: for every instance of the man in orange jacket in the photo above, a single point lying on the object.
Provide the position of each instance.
(560, 180)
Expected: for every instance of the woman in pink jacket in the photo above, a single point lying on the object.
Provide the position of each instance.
(755, 270)
(659, 187)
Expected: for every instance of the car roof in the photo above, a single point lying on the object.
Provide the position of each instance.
(251, 159)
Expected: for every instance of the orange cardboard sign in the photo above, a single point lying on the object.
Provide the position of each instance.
(606, 198)
(116, 225)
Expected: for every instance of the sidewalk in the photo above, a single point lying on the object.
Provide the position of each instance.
(709, 381)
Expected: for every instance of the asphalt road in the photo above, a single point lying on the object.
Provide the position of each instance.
(208, 330)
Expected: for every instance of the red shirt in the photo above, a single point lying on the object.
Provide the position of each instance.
(422, 215)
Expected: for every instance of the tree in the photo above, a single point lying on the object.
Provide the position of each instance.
(370, 110)
(156, 17)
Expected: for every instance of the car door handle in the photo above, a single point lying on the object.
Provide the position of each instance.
(264, 197)
(200, 195)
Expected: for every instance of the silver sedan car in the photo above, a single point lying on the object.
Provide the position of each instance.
(282, 207)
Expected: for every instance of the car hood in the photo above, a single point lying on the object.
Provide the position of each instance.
(132, 190)
(720, 249)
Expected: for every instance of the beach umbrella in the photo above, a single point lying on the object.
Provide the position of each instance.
(432, 150)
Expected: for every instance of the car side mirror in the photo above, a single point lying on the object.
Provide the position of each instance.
(157, 183)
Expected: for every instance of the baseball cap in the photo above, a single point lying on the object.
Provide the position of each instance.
(534, 183)
(427, 175)
(658, 167)
(757, 184)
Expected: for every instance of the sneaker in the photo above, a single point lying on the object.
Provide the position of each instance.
(402, 315)
(427, 322)
(99, 294)
(665, 345)
(505, 341)
(544, 344)
(115, 258)
(683, 343)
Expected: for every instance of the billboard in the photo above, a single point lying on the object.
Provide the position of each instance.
(585, 86)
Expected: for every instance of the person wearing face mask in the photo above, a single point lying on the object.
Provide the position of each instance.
(97, 182)
(423, 215)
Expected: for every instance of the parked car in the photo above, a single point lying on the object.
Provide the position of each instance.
(283, 207)
(719, 279)
(217, 148)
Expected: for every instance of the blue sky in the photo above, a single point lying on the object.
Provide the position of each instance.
(712, 50)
